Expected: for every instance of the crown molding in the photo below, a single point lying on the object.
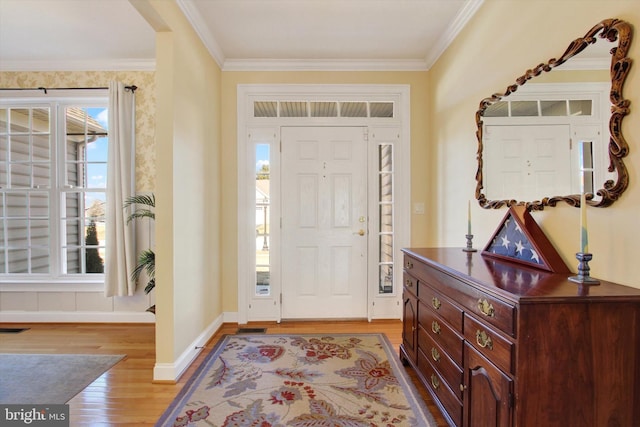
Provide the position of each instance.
(202, 30)
(80, 65)
(194, 17)
(322, 65)
(460, 21)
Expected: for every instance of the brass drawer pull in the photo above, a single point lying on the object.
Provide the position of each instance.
(409, 264)
(484, 340)
(435, 355)
(409, 283)
(435, 302)
(435, 327)
(486, 308)
(435, 382)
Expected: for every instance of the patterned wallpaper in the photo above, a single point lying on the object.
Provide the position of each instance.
(145, 106)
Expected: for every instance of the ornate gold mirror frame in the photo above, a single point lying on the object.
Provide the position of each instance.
(612, 30)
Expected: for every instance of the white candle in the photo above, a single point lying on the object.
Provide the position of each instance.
(469, 218)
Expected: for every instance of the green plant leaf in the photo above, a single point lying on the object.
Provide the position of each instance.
(141, 199)
(150, 286)
(146, 258)
(147, 263)
(142, 212)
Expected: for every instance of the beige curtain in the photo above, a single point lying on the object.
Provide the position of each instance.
(120, 239)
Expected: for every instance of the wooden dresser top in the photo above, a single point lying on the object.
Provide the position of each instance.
(515, 281)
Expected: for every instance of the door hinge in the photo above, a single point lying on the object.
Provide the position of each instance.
(570, 144)
(365, 134)
(512, 399)
(281, 298)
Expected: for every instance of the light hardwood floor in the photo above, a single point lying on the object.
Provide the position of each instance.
(126, 395)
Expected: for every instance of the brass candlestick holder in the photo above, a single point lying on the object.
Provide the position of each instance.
(469, 247)
(583, 270)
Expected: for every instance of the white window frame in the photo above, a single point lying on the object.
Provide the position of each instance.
(55, 281)
(379, 305)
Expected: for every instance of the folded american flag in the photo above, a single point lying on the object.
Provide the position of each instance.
(512, 242)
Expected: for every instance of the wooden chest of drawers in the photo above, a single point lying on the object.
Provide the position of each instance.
(500, 344)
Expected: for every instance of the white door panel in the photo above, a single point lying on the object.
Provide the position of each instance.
(527, 160)
(324, 209)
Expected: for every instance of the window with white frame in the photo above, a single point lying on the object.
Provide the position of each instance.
(263, 205)
(53, 174)
(385, 211)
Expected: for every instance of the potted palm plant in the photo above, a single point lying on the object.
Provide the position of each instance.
(144, 205)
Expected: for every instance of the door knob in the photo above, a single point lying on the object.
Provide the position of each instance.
(360, 232)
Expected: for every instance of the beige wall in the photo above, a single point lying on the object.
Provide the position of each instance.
(187, 186)
(230, 82)
(504, 39)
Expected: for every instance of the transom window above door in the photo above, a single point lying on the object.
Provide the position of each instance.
(353, 109)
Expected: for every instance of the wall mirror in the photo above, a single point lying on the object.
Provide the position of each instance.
(561, 134)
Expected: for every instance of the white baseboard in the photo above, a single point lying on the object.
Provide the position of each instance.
(173, 371)
(230, 316)
(76, 317)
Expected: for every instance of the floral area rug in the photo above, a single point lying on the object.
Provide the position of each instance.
(301, 381)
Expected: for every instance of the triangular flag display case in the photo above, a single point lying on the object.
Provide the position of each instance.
(520, 239)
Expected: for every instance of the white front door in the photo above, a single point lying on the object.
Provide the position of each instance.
(324, 222)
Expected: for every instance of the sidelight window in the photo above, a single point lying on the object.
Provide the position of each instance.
(263, 202)
(385, 208)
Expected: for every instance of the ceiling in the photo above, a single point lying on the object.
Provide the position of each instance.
(239, 34)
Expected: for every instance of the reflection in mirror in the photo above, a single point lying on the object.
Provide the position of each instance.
(586, 165)
(532, 138)
(535, 145)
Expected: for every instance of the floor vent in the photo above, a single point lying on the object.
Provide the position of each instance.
(251, 330)
(12, 330)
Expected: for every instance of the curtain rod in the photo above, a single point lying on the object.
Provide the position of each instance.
(132, 88)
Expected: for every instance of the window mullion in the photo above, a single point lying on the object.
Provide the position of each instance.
(57, 192)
